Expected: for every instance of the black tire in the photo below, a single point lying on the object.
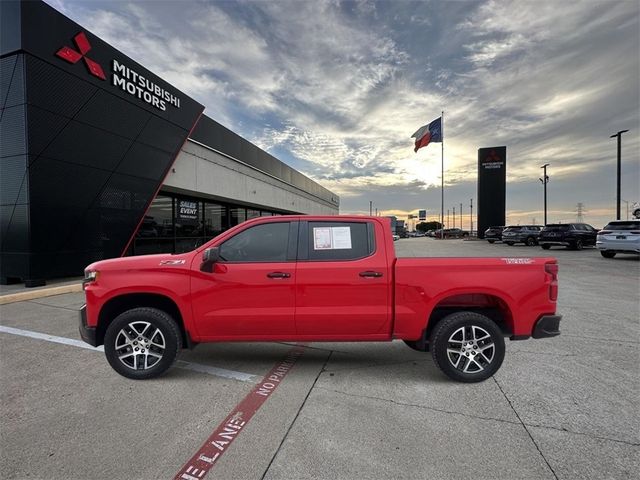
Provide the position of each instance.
(412, 344)
(511, 244)
(530, 242)
(442, 341)
(164, 340)
(545, 246)
(607, 253)
(491, 241)
(578, 245)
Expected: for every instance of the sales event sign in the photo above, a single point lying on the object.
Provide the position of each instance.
(188, 211)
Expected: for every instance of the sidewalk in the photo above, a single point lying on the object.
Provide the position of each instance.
(18, 292)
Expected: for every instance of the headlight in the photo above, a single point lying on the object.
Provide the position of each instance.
(90, 276)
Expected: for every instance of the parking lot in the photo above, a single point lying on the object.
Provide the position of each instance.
(559, 408)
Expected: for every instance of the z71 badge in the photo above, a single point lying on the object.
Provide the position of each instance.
(172, 262)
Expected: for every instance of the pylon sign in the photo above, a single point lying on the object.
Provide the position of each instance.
(422, 215)
(492, 177)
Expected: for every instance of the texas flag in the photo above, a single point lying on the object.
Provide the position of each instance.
(428, 133)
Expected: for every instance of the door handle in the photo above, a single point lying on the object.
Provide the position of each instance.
(278, 275)
(370, 274)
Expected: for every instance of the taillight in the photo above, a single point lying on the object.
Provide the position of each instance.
(552, 269)
(605, 232)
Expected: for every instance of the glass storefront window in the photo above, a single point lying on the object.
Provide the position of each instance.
(215, 220)
(158, 222)
(188, 218)
(176, 224)
(237, 216)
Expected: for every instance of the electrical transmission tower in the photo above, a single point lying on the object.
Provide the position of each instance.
(580, 211)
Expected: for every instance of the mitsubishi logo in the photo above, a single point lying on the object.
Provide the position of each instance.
(73, 56)
(493, 157)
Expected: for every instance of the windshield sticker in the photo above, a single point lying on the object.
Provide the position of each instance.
(518, 261)
(332, 238)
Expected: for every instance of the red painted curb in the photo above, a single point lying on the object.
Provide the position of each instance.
(224, 434)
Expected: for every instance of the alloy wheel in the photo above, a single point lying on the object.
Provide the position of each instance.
(140, 345)
(470, 349)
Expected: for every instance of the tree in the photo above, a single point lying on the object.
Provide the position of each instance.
(426, 226)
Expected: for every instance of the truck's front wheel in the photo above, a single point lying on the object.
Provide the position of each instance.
(467, 347)
(142, 343)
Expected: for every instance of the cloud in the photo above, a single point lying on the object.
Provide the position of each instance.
(336, 88)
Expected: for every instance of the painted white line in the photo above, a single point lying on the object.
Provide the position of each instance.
(215, 371)
(194, 367)
(49, 338)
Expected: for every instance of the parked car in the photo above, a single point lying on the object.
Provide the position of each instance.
(396, 237)
(619, 236)
(571, 235)
(527, 234)
(493, 234)
(454, 233)
(245, 284)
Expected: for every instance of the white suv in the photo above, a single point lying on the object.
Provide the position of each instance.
(619, 236)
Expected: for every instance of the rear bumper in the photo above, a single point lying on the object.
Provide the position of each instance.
(553, 242)
(88, 334)
(547, 326)
(619, 246)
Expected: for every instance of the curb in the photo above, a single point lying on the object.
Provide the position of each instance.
(44, 292)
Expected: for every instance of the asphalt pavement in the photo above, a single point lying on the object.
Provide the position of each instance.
(562, 408)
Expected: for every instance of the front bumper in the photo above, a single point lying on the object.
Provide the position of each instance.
(88, 334)
(547, 326)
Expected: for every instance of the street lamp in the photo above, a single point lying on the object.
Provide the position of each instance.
(545, 180)
(619, 135)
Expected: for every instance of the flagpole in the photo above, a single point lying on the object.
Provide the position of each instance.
(442, 179)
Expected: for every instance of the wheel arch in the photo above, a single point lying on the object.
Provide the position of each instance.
(121, 303)
(492, 306)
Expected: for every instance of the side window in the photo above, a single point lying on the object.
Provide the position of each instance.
(262, 243)
(340, 240)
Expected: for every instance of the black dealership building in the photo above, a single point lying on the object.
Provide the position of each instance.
(102, 158)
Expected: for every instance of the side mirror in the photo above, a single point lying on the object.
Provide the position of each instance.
(209, 258)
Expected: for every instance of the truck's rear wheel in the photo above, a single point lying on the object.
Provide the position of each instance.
(467, 347)
(142, 343)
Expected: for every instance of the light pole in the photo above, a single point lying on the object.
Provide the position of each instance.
(460, 215)
(471, 215)
(370, 207)
(619, 135)
(545, 180)
(454, 217)
(447, 218)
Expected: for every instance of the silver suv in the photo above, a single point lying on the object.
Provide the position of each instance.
(527, 234)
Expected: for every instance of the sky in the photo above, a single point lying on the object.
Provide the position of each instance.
(335, 89)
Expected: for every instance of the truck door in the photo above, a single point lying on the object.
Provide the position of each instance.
(251, 291)
(342, 281)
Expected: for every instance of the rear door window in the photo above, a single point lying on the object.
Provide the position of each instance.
(623, 226)
(326, 241)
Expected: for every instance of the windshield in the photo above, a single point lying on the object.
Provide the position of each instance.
(630, 225)
(513, 229)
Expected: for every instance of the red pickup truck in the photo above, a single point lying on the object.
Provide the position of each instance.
(311, 279)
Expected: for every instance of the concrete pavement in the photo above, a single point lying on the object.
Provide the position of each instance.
(562, 408)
